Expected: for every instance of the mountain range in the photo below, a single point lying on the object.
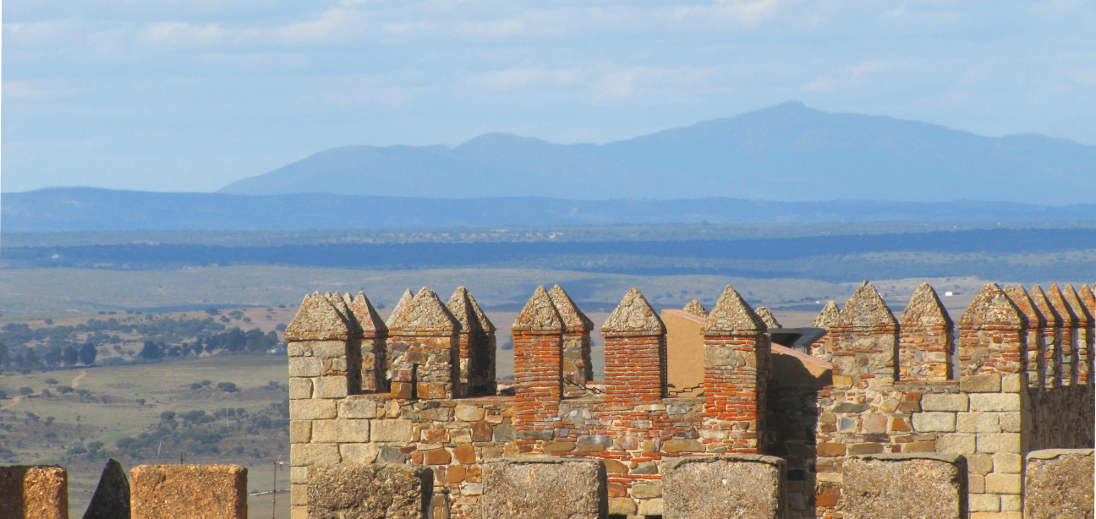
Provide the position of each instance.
(787, 152)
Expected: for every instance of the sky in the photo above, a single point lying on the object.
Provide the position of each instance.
(190, 95)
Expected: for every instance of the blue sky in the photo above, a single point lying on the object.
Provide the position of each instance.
(189, 95)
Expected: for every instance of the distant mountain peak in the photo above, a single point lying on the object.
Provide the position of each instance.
(787, 151)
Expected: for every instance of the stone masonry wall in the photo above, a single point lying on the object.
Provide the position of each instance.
(892, 390)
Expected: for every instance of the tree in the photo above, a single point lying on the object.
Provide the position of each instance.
(87, 353)
(151, 351)
(52, 356)
(69, 355)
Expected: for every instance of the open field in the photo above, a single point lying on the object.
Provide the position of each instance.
(111, 412)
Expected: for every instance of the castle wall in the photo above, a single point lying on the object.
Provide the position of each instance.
(880, 386)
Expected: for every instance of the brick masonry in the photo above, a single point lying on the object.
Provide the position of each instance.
(890, 386)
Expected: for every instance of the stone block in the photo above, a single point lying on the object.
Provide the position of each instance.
(34, 492)
(1008, 463)
(1003, 483)
(985, 503)
(643, 489)
(352, 431)
(622, 506)
(543, 488)
(956, 443)
(995, 402)
(392, 431)
(469, 413)
(192, 491)
(323, 431)
(311, 409)
(331, 387)
(934, 422)
(358, 408)
(301, 454)
(1058, 484)
(944, 402)
(305, 367)
(735, 486)
(300, 387)
(651, 507)
(983, 383)
(923, 486)
(300, 431)
(369, 490)
(358, 453)
(999, 442)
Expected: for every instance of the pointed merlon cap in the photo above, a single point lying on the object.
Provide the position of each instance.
(318, 320)
(1084, 316)
(1058, 301)
(461, 309)
(486, 324)
(1053, 320)
(768, 318)
(633, 316)
(1088, 299)
(992, 308)
(111, 497)
(1023, 301)
(539, 314)
(694, 307)
(827, 316)
(341, 302)
(367, 316)
(866, 309)
(425, 313)
(925, 309)
(400, 308)
(573, 318)
(733, 315)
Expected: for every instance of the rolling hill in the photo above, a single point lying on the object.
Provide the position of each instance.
(786, 152)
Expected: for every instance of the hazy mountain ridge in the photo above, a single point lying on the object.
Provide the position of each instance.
(85, 209)
(788, 152)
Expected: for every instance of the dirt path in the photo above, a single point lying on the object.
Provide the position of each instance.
(77, 378)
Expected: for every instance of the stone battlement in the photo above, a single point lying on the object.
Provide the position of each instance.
(420, 389)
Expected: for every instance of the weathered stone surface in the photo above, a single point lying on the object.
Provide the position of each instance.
(192, 491)
(1065, 311)
(732, 315)
(399, 311)
(633, 316)
(573, 318)
(111, 498)
(694, 307)
(739, 486)
(768, 318)
(368, 318)
(992, 307)
(826, 317)
(1023, 301)
(425, 313)
(543, 488)
(1058, 484)
(925, 309)
(866, 309)
(369, 491)
(1053, 319)
(319, 319)
(39, 492)
(903, 486)
(539, 314)
(1073, 299)
(460, 306)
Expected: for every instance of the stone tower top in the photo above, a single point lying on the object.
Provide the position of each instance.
(768, 318)
(733, 315)
(826, 317)
(400, 308)
(539, 314)
(992, 308)
(866, 309)
(633, 316)
(367, 316)
(318, 319)
(694, 307)
(573, 318)
(425, 313)
(925, 309)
